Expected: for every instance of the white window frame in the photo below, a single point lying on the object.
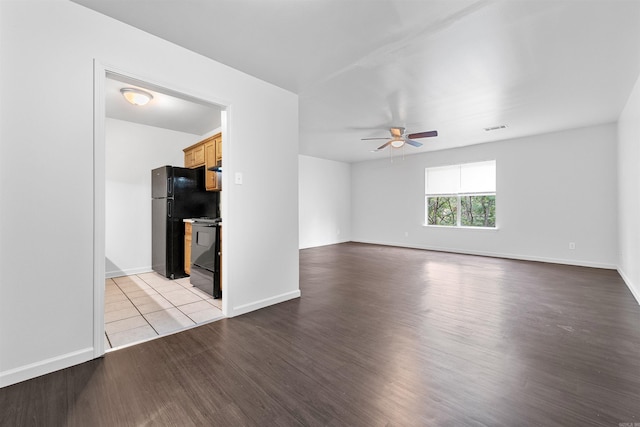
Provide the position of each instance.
(458, 195)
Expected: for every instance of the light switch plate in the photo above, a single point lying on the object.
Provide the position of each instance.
(238, 178)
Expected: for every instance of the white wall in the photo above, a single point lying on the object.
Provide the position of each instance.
(47, 166)
(324, 201)
(552, 189)
(629, 191)
(132, 151)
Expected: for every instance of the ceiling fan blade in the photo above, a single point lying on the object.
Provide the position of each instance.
(414, 143)
(423, 134)
(369, 139)
(385, 145)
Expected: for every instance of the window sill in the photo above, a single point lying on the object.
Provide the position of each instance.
(454, 227)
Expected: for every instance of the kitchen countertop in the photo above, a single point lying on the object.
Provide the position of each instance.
(205, 220)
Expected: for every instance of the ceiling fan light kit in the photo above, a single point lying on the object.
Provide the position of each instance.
(397, 143)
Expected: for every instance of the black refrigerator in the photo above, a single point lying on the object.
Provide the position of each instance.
(176, 193)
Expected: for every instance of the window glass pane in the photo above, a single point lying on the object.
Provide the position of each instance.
(442, 210)
(478, 211)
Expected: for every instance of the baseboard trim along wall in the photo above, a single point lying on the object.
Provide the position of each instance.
(127, 272)
(497, 255)
(256, 305)
(43, 367)
(324, 244)
(634, 290)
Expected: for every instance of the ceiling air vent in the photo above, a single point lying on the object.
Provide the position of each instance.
(492, 128)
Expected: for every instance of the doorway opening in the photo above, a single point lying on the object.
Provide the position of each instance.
(133, 303)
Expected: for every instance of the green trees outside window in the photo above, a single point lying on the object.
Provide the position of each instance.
(442, 210)
(465, 210)
(478, 211)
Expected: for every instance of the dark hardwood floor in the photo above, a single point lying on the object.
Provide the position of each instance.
(381, 336)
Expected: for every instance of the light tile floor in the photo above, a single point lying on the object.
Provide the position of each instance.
(148, 305)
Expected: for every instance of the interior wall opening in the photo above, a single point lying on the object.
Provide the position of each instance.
(138, 302)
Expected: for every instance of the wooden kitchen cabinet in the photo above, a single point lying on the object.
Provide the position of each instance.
(194, 156)
(207, 152)
(187, 247)
(218, 141)
(211, 178)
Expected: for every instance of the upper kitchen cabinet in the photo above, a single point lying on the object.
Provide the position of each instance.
(218, 140)
(211, 178)
(194, 156)
(208, 153)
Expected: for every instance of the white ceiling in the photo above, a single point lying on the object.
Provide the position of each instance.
(361, 66)
(166, 110)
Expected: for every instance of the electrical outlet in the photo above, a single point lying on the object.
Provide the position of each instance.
(406, 234)
(572, 245)
(338, 232)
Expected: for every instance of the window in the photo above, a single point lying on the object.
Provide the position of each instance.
(461, 195)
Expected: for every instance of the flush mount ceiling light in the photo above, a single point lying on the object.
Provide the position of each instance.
(136, 96)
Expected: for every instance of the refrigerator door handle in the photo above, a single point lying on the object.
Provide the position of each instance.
(169, 186)
(169, 206)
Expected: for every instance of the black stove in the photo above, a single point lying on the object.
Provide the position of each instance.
(205, 255)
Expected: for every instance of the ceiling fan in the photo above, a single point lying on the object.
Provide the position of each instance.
(399, 139)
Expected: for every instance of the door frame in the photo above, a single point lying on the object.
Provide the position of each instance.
(100, 70)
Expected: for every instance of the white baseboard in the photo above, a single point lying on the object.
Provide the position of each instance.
(317, 245)
(256, 305)
(635, 291)
(497, 255)
(23, 373)
(126, 272)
